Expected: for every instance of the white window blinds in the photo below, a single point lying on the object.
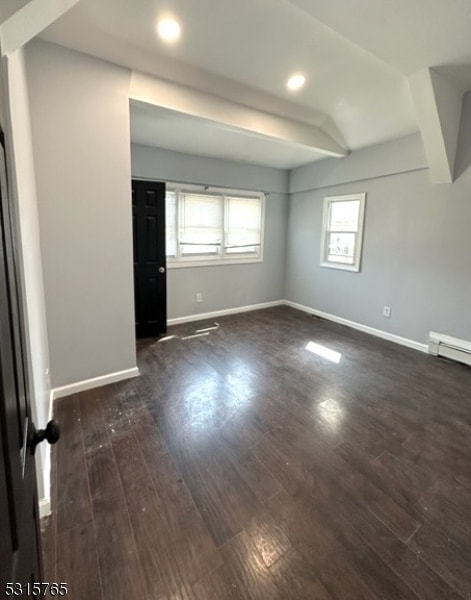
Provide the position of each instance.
(200, 224)
(170, 224)
(243, 223)
(213, 226)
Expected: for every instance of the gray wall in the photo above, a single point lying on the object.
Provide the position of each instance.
(80, 123)
(398, 156)
(225, 286)
(416, 245)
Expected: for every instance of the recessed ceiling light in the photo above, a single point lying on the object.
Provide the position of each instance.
(169, 30)
(296, 82)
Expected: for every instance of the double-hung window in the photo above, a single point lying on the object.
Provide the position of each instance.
(213, 226)
(199, 232)
(342, 231)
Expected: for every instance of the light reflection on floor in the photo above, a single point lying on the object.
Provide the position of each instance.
(211, 400)
(324, 352)
(242, 381)
(332, 414)
(201, 402)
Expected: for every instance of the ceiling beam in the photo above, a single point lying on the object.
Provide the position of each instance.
(438, 105)
(178, 98)
(29, 21)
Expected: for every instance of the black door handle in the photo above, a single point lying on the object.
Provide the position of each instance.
(36, 436)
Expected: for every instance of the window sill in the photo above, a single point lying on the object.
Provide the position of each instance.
(341, 267)
(183, 264)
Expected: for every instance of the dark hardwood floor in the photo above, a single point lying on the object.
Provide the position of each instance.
(240, 465)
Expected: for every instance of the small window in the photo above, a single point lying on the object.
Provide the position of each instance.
(342, 231)
(214, 226)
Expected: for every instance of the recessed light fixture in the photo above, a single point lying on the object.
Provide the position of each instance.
(169, 30)
(296, 82)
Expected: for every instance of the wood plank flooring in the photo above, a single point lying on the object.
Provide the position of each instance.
(240, 465)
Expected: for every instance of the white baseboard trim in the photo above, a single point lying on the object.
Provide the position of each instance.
(87, 384)
(44, 508)
(222, 313)
(390, 337)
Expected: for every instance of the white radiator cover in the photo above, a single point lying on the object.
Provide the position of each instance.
(449, 347)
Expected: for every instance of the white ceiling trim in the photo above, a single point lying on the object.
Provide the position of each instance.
(438, 105)
(29, 21)
(151, 90)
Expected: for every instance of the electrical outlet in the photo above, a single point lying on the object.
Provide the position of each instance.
(199, 297)
(386, 311)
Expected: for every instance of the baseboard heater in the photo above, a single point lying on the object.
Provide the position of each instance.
(449, 347)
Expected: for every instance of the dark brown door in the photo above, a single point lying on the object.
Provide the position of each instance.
(150, 280)
(19, 538)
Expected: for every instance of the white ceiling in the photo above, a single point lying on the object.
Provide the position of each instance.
(356, 56)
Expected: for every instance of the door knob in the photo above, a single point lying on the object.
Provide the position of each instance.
(36, 436)
(161, 269)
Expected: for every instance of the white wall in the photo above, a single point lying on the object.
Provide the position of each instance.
(80, 124)
(2, 98)
(24, 204)
(225, 286)
(417, 245)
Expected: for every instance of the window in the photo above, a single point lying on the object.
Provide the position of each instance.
(217, 226)
(200, 225)
(342, 231)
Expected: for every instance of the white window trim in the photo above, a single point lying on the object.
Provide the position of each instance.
(183, 262)
(356, 266)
